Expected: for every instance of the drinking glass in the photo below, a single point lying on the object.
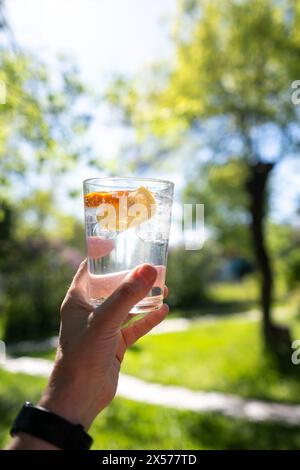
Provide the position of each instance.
(127, 223)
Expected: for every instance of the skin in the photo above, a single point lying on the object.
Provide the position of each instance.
(92, 344)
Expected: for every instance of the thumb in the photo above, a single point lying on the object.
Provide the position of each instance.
(134, 288)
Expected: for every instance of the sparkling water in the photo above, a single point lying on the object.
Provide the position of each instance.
(121, 251)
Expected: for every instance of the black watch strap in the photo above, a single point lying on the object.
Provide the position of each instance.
(42, 423)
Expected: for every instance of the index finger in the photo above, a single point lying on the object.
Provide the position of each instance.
(97, 246)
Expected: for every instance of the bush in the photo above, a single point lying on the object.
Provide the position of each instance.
(188, 275)
(35, 278)
(293, 269)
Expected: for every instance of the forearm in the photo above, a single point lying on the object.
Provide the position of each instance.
(64, 396)
(24, 441)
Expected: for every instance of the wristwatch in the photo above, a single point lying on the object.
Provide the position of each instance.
(42, 423)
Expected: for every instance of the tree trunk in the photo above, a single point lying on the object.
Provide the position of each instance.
(277, 339)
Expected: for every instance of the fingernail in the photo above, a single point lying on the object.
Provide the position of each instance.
(147, 274)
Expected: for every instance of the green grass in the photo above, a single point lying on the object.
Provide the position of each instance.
(239, 296)
(247, 289)
(129, 425)
(14, 390)
(49, 354)
(222, 355)
(225, 355)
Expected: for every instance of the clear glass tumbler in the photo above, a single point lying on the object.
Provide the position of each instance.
(127, 223)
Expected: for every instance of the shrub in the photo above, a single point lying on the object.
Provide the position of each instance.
(188, 275)
(35, 278)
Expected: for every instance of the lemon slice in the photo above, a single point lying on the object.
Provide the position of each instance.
(132, 209)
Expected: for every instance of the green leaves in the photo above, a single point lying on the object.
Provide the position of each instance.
(237, 60)
(40, 120)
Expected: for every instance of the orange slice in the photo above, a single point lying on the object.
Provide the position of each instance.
(97, 198)
(120, 210)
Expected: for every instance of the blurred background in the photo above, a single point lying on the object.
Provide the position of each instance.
(195, 91)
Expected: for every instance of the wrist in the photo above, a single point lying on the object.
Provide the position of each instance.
(38, 427)
(58, 406)
(66, 396)
(25, 441)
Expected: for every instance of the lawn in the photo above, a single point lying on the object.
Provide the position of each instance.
(129, 425)
(235, 291)
(224, 355)
(245, 290)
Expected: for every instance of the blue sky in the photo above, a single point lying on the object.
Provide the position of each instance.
(106, 36)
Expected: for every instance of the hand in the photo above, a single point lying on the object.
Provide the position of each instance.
(92, 345)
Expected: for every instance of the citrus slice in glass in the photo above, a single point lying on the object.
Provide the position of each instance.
(120, 210)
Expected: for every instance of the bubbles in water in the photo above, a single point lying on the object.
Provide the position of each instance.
(156, 228)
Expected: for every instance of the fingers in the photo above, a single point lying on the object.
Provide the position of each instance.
(77, 293)
(131, 316)
(80, 275)
(133, 288)
(144, 325)
(79, 285)
(97, 247)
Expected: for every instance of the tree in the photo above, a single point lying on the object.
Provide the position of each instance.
(39, 122)
(221, 189)
(229, 87)
(42, 124)
(43, 118)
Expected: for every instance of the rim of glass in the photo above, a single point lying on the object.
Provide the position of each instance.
(96, 181)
